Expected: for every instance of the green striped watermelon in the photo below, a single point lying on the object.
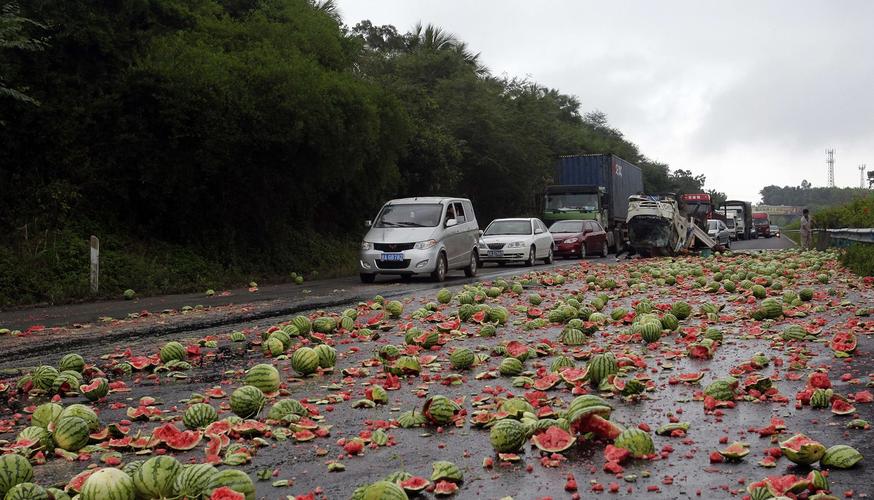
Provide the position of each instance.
(681, 310)
(444, 296)
(27, 491)
(327, 355)
(264, 377)
(234, 479)
(440, 409)
(56, 494)
(172, 350)
(384, 490)
(71, 433)
(43, 377)
(443, 470)
(670, 322)
(199, 415)
(39, 434)
(96, 389)
(601, 366)
(325, 324)
(302, 323)
(285, 408)
(108, 484)
(560, 362)
(651, 331)
(156, 478)
(840, 456)
(637, 441)
(305, 361)
(247, 401)
(283, 337)
(45, 414)
(273, 347)
(71, 361)
(802, 450)
(14, 469)
(67, 382)
(462, 359)
(83, 412)
(193, 479)
(510, 367)
(508, 435)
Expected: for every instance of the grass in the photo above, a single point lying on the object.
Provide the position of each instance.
(859, 258)
(54, 267)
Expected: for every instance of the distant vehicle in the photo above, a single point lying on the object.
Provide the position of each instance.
(509, 240)
(731, 223)
(593, 187)
(579, 238)
(698, 206)
(743, 210)
(429, 235)
(717, 230)
(762, 224)
(775, 230)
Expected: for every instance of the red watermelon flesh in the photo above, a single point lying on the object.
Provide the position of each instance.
(845, 342)
(841, 407)
(553, 440)
(415, 484)
(516, 349)
(573, 375)
(445, 488)
(226, 493)
(546, 381)
(601, 427)
(614, 454)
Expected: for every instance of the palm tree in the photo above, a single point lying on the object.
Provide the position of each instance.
(328, 7)
(434, 38)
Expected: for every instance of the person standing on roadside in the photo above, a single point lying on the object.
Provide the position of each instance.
(806, 230)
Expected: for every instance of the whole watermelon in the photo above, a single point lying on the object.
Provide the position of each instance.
(108, 483)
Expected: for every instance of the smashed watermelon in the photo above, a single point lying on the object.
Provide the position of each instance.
(553, 440)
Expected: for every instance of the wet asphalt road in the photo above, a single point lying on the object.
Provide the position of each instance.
(684, 473)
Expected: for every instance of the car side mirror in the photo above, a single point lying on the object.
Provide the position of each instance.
(481, 233)
(451, 222)
(368, 223)
(538, 231)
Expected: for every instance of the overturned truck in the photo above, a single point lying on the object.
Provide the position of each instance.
(657, 227)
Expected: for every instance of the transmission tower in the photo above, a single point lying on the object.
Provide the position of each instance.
(862, 168)
(830, 161)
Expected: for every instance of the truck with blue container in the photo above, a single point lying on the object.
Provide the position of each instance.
(593, 187)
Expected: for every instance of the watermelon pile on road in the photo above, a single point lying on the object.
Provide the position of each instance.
(620, 370)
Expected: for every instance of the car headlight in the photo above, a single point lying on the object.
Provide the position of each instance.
(424, 245)
(482, 245)
(516, 244)
(366, 245)
(571, 240)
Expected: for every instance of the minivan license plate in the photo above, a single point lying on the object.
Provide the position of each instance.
(496, 253)
(393, 257)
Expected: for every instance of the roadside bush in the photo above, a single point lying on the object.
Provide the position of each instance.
(859, 258)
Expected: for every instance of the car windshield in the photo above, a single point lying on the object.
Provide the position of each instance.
(410, 215)
(567, 226)
(712, 225)
(577, 201)
(730, 223)
(508, 227)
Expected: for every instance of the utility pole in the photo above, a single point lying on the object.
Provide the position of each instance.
(862, 168)
(830, 161)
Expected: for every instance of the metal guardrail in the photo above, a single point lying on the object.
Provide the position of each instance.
(845, 236)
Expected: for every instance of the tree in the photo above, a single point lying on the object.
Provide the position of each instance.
(15, 35)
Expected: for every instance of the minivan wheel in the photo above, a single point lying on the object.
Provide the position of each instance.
(471, 270)
(530, 261)
(439, 273)
(367, 277)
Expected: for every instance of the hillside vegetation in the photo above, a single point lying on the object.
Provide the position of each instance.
(208, 143)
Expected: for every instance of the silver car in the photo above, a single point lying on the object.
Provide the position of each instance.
(421, 236)
(717, 230)
(521, 240)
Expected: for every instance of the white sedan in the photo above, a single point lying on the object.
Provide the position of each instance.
(508, 240)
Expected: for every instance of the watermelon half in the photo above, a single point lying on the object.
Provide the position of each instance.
(553, 440)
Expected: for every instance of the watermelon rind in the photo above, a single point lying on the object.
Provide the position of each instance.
(14, 469)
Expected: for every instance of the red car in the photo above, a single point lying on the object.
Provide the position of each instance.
(579, 238)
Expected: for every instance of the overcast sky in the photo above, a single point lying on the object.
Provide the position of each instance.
(749, 93)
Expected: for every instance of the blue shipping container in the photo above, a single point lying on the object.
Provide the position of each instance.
(618, 177)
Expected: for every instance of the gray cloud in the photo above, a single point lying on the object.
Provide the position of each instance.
(746, 92)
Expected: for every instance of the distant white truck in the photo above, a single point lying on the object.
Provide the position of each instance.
(734, 220)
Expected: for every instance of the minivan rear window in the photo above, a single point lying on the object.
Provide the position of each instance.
(410, 215)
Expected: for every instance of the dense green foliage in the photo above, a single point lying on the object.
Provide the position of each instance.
(814, 198)
(858, 213)
(212, 141)
(859, 258)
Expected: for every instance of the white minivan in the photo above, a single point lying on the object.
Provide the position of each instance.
(428, 235)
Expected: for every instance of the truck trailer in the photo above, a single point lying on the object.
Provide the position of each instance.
(593, 187)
